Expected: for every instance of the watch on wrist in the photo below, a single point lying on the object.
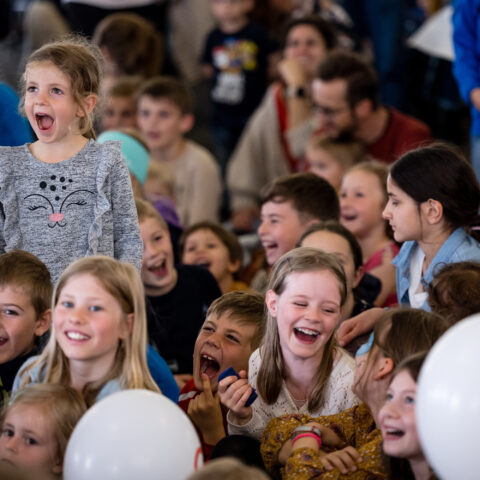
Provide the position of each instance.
(296, 92)
(306, 429)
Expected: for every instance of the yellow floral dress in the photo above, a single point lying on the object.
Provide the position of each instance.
(355, 426)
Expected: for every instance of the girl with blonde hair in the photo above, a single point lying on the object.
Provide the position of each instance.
(99, 334)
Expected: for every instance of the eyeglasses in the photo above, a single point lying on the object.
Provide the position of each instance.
(327, 111)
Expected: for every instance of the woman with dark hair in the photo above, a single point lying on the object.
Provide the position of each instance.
(276, 135)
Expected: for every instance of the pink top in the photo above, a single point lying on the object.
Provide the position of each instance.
(391, 249)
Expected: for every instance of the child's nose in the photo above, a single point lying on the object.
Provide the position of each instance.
(12, 443)
(214, 339)
(262, 228)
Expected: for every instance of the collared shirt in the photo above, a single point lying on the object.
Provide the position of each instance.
(458, 247)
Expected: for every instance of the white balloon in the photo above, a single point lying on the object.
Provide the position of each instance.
(448, 403)
(133, 435)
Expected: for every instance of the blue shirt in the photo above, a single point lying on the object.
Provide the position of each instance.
(14, 129)
(459, 247)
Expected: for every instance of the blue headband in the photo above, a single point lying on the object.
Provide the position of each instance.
(365, 348)
(136, 156)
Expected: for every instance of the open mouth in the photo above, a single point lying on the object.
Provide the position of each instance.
(159, 269)
(306, 335)
(393, 434)
(209, 366)
(349, 217)
(3, 341)
(44, 121)
(203, 263)
(77, 336)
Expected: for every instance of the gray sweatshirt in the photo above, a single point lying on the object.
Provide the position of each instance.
(67, 210)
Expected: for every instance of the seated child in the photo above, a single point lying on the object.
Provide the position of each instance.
(454, 292)
(25, 295)
(177, 297)
(164, 116)
(36, 427)
(405, 459)
(289, 205)
(330, 159)
(233, 329)
(120, 108)
(363, 196)
(212, 246)
(298, 368)
(352, 437)
(99, 334)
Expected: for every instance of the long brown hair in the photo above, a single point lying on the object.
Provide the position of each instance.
(122, 281)
(272, 370)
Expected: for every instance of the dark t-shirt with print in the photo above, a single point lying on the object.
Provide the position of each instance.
(240, 62)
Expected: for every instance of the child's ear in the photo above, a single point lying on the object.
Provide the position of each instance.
(233, 267)
(126, 328)
(43, 323)
(358, 276)
(433, 211)
(186, 123)
(89, 103)
(385, 368)
(58, 467)
(271, 300)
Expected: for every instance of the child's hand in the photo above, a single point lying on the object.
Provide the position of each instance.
(355, 326)
(205, 412)
(234, 392)
(345, 460)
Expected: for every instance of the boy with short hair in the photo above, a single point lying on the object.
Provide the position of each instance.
(289, 205)
(233, 329)
(236, 58)
(177, 297)
(25, 315)
(120, 110)
(164, 116)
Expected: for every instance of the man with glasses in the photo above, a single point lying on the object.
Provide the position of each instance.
(346, 98)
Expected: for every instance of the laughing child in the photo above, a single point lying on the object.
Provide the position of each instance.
(232, 330)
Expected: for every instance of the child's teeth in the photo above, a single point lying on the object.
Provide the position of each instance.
(76, 336)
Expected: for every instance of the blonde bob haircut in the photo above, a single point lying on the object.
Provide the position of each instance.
(272, 369)
(61, 406)
(122, 281)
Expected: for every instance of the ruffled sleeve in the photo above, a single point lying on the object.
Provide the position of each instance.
(114, 213)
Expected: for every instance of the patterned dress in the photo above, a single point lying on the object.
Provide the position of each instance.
(355, 426)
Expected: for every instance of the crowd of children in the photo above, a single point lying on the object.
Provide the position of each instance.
(123, 259)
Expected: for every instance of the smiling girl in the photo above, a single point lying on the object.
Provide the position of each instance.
(66, 196)
(99, 335)
(401, 442)
(299, 368)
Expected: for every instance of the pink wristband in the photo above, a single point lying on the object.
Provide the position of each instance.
(312, 435)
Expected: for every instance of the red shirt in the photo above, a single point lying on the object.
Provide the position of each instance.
(188, 392)
(402, 133)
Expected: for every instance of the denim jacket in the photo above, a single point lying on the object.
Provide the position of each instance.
(459, 247)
